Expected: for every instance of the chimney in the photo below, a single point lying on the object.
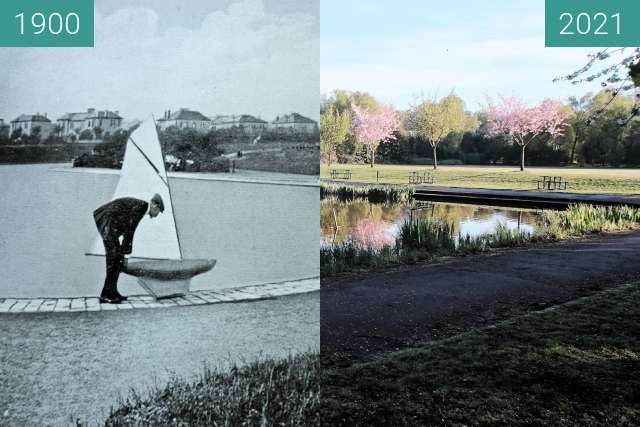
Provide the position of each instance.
(117, 113)
(91, 110)
(168, 114)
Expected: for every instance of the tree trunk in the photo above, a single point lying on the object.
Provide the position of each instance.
(573, 148)
(373, 156)
(329, 157)
(522, 158)
(435, 157)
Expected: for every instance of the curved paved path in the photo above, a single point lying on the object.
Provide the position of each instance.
(363, 315)
(244, 293)
(55, 367)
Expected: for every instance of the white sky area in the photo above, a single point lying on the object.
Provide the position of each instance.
(398, 51)
(219, 57)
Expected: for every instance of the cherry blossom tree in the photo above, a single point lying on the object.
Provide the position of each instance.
(514, 118)
(373, 127)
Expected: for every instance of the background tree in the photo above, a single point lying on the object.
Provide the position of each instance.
(343, 100)
(86, 135)
(581, 108)
(435, 120)
(604, 140)
(334, 128)
(371, 128)
(522, 124)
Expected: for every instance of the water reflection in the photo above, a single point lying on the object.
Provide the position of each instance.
(371, 225)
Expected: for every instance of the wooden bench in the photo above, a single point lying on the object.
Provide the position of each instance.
(552, 183)
(340, 173)
(419, 177)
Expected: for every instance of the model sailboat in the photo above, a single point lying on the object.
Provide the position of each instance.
(156, 259)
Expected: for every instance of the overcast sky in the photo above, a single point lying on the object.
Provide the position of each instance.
(398, 49)
(258, 57)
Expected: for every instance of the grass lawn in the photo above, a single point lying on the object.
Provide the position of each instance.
(265, 393)
(581, 180)
(578, 364)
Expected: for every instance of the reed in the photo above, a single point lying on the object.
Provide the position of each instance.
(374, 194)
(502, 237)
(579, 220)
(423, 239)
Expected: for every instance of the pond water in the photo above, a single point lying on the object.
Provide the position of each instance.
(261, 229)
(362, 221)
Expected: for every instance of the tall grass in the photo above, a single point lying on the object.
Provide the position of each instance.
(422, 239)
(382, 194)
(270, 392)
(579, 220)
(502, 237)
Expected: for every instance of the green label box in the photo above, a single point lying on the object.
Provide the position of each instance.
(46, 23)
(592, 23)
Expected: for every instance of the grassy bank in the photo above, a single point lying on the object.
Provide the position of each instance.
(577, 365)
(422, 240)
(270, 392)
(581, 180)
(374, 194)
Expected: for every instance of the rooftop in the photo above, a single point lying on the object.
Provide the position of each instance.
(31, 118)
(91, 114)
(293, 118)
(243, 118)
(185, 114)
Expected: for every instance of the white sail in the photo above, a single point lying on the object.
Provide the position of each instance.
(143, 174)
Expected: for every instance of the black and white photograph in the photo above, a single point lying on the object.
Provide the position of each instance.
(159, 219)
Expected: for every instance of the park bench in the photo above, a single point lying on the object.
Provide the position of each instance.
(340, 173)
(552, 183)
(419, 177)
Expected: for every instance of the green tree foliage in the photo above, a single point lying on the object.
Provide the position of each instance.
(334, 129)
(343, 100)
(434, 120)
(350, 150)
(605, 141)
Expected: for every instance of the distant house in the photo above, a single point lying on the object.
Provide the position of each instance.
(246, 122)
(5, 129)
(28, 123)
(76, 123)
(185, 119)
(296, 122)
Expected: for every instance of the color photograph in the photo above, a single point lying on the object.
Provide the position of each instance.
(479, 216)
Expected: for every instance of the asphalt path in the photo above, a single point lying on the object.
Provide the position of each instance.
(58, 367)
(368, 314)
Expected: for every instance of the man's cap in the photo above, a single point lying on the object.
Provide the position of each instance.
(157, 199)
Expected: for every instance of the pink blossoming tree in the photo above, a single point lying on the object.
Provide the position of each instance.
(514, 118)
(371, 128)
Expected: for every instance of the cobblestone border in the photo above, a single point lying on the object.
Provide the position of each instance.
(245, 293)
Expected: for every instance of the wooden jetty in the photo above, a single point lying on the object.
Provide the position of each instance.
(520, 198)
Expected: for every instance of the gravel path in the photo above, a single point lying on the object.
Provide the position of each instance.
(63, 366)
(368, 314)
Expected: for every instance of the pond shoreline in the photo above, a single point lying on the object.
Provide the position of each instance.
(366, 314)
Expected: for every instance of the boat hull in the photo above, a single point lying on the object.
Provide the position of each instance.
(167, 278)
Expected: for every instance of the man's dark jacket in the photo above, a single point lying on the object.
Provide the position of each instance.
(120, 217)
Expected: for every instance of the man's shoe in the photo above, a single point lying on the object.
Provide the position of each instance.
(105, 300)
(122, 297)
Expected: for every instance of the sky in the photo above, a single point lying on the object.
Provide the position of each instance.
(403, 51)
(257, 57)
